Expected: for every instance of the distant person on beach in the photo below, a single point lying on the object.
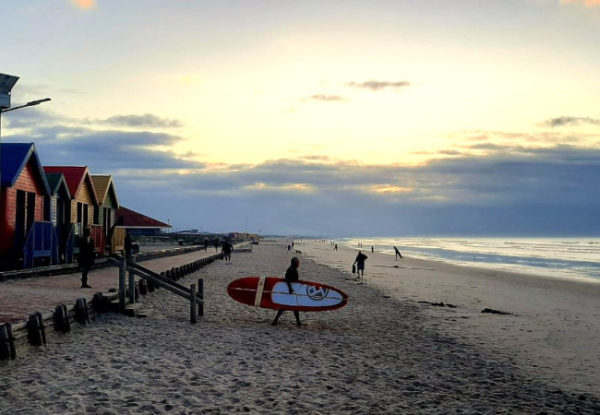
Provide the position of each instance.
(335, 247)
(360, 264)
(227, 249)
(216, 243)
(372, 248)
(289, 248)
(398, 254)
(291, 275)
(86, 256)
(206, 244)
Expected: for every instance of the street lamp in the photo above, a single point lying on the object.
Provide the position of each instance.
(6, 84)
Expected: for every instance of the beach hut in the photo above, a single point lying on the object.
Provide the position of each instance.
(25, 238)
(107, 212)
(139, 224)
(84, 204)
(58, 211)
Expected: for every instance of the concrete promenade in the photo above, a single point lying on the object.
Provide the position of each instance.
(22, 297)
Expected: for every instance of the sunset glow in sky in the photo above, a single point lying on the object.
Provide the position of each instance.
(257, 100)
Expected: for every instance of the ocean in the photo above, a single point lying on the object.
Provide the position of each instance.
(568, 258)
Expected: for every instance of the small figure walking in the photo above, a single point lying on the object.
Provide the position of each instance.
(86, 257)
(291, 275)
(372, 249)
(289, 248)
(335, 247)
(360, 264)
(216, 244)
(398, 254)
(227, 249)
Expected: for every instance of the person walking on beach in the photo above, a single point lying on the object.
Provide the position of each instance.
(360, 264)
(227, 249)
(291, 275)
(398, 254)
(86, 257)
(289, 248)
(335, 247)
(216, 243)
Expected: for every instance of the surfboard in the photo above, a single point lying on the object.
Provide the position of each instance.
(273, 292)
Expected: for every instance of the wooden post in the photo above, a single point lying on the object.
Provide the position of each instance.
(193, 305)
(131, 282)
(201, 295)
(122, 265)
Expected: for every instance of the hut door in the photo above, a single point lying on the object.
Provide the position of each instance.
(106, 221)
(20, 221)
(30, 211)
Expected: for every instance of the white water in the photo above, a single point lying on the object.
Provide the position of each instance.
(569, 258)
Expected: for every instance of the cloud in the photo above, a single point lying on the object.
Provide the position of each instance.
(490, 190)
(84, 4)
(145, 121)
(327, 98)
(379, 85)
(587, 3)
(567, 121)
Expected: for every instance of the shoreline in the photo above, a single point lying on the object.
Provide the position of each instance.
(553, 328)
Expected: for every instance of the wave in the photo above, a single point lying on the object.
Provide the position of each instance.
(562, 257)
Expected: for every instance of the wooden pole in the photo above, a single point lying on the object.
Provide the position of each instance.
(193, 305)
(131, 282)
(201, 295)
(122, 266)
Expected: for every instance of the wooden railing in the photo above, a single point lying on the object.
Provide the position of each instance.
(195, 297)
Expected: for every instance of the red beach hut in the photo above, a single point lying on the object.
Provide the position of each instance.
(24, 235)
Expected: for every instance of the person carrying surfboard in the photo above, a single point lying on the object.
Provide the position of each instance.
(398, 254)
(291, 275)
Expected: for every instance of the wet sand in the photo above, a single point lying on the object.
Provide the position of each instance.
(379, 354)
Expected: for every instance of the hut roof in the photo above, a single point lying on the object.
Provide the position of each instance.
(55, 181)
(131, 219)
(75, 177)
(103, 184)
(13, 159)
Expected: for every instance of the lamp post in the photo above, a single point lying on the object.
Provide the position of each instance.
(6, 84)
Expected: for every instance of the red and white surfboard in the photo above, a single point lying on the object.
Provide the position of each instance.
(273, 292)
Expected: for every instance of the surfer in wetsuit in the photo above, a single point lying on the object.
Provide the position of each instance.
(291, 275)
(360, 264)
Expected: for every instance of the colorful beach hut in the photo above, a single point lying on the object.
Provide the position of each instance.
(107, 211)
(25, 237)
(139, 224)
(84, 204)
(58, 211)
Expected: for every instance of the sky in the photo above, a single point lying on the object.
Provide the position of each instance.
(323, 118)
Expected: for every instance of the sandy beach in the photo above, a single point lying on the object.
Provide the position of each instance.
(553, 325)
(385, 352)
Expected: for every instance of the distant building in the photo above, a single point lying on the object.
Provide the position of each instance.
(139, 224)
